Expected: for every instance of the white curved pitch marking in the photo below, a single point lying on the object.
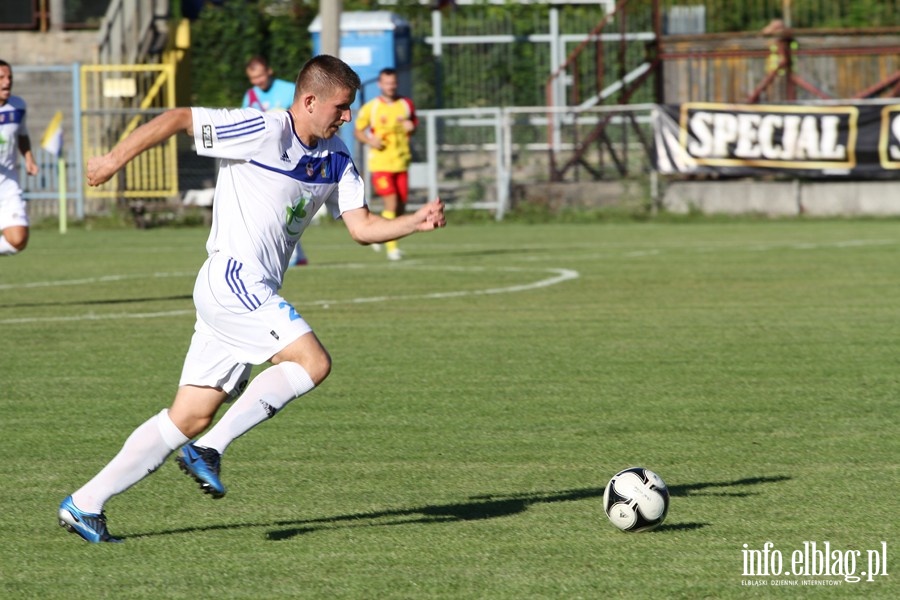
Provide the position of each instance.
(560, 275)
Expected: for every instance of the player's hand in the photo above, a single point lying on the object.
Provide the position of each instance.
(431, 216)
(100, 169)
(31, 167)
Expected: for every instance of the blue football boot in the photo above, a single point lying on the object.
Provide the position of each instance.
(203, 465)
(91, 527)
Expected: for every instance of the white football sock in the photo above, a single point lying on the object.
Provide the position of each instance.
(6, 248)
(143, 452)
(268, 393)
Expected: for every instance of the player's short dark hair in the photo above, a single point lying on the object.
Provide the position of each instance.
(257, 59)
(387, 71)
(323, 74)
(3, 63)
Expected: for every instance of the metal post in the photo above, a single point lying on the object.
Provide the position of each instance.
(77, 140)
(507, 120)
(502, 177)
(558, 87)
(437, 52)
(331, 26)
(57, 14)
(431, 154)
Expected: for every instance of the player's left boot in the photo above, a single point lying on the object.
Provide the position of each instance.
(90, 526)
(203, 465)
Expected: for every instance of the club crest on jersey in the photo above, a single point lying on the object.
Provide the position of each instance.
(296, 213)
(325, 168)
(310, 170)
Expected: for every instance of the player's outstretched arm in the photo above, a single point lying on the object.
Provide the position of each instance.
(368, 228)
(100, 169)
(31, 167)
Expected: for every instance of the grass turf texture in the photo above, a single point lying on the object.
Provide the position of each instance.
(461, 445)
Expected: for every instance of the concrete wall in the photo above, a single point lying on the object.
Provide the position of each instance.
(738, 197)
(788, 198)
(51, 48)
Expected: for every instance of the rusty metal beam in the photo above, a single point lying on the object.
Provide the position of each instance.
(893, 80)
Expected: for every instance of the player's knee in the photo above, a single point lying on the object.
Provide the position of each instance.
(319, 366)
(196, 426)
(309, 353)
(190, 424)
(17, 237)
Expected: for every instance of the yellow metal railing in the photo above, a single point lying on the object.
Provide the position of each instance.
(116, 100)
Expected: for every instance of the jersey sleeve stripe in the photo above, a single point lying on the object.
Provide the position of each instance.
(240, 124)
(239, 129)
(240, 133)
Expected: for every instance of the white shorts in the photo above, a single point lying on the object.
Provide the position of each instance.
(13, 210)
(241, 321)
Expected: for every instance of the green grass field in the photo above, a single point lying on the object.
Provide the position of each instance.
(483, 393)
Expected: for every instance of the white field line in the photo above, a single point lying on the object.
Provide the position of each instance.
(90, 280)
(558, 276)
(604, 252)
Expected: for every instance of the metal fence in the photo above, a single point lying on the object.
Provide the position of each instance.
(471, 158)
(728, 16)
(99, 105)
(46, 90)
(476, 158)
(485, 54)
(116, 100)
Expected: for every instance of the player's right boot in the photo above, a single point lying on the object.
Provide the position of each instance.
(395, 254)
(90, 526)
(203, 465)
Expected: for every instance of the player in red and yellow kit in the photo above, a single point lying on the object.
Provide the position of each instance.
(385, 124)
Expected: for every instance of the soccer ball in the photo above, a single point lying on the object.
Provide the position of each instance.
(636, 499)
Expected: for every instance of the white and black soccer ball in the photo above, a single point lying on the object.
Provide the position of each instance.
(636, 499)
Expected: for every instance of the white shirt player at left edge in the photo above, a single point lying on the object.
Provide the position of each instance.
(14, 140)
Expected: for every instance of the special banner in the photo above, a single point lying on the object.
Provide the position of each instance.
(857, 141)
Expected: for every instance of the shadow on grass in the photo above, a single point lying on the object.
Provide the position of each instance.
(475, 508)
(97, 302)
(721, 488)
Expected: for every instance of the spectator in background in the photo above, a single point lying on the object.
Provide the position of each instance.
(13, 141)
(269, 94)
(385, 124)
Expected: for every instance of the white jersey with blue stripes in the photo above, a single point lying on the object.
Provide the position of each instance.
(270, 185)
(12, 125)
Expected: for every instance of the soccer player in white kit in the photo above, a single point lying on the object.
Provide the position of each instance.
(277, 170)
(13, 141)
